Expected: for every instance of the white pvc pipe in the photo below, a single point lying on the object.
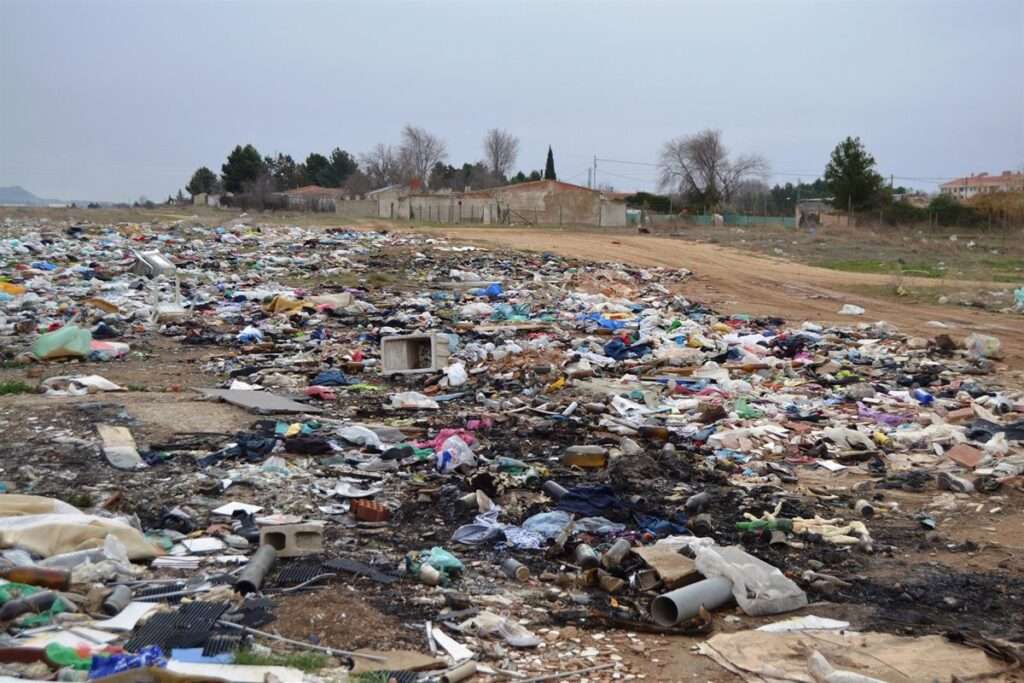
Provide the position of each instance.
(684, 603)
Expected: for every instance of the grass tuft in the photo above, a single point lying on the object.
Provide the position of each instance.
(304, 661)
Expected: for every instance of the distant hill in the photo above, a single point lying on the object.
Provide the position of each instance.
(20, 196)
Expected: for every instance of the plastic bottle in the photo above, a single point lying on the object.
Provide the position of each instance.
(923, 397)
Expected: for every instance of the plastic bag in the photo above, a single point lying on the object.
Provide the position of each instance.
(456, 375)
(413, 400)
(981, 345)
(454, 454)
(69, 341)
(443, 561)
(850, 309)
(759, 588)
(476, 309)
(250, 334)
(361, 436)
(108, 666)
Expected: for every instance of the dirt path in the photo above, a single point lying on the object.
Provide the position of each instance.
(737, 282)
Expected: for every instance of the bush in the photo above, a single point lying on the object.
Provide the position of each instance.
(949, 212)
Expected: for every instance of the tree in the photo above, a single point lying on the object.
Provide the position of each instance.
(382, 166)
(357, 183)
(751, 196)
(549, 166)
(500, 151)
(342, 166)
(180, 198)
(244, 165)
(287, 175)
(850, 176)
(420, 150)
(318, 169)
(534, 176)
(203, 180)
(699, 168)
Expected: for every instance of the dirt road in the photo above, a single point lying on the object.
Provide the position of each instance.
(736, 282)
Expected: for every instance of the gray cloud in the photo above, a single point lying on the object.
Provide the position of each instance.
(114, 100)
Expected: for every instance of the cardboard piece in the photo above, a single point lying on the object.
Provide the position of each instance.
(262, 402)
(396, 660)
(762, 657)
(119, 447)
(673, 568)
(236, 673)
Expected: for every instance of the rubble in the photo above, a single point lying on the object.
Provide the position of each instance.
(469, 463)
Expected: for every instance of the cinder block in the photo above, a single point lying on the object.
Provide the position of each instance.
(413, 353)
(294, 540)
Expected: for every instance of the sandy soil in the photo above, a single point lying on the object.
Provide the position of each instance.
(736, 282)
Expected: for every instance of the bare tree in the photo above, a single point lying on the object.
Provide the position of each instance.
(420, 150)
(700, 168)
(751, 195)
(382, 166)
(500, 151)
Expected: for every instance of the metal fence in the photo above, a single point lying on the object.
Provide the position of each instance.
(744, 220)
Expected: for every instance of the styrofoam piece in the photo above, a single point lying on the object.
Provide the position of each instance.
(229, 509)
(128, 618)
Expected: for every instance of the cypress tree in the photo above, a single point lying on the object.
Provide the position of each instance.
(549, 167)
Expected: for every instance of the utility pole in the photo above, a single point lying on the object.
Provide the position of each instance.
(595, 173)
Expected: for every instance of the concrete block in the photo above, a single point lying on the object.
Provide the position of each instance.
(413, 353)
(294, 540)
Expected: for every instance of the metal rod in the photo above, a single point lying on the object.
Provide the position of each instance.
(566, 674)
(299, 643)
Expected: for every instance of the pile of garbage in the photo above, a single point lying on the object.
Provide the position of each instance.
(497, 451)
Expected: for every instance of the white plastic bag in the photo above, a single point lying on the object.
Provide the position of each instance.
(456, 374)
(413, 400)
(758, 587)
(361, 436)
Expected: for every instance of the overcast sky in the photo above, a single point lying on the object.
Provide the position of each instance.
(113, 100)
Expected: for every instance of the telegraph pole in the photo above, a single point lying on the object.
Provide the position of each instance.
(595, 173)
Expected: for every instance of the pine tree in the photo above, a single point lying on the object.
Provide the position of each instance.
(549, 167)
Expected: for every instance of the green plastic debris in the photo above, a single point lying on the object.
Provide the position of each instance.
(70, 341)
(66, 657)
(746, 411)
(443, 561)
(14, 591)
